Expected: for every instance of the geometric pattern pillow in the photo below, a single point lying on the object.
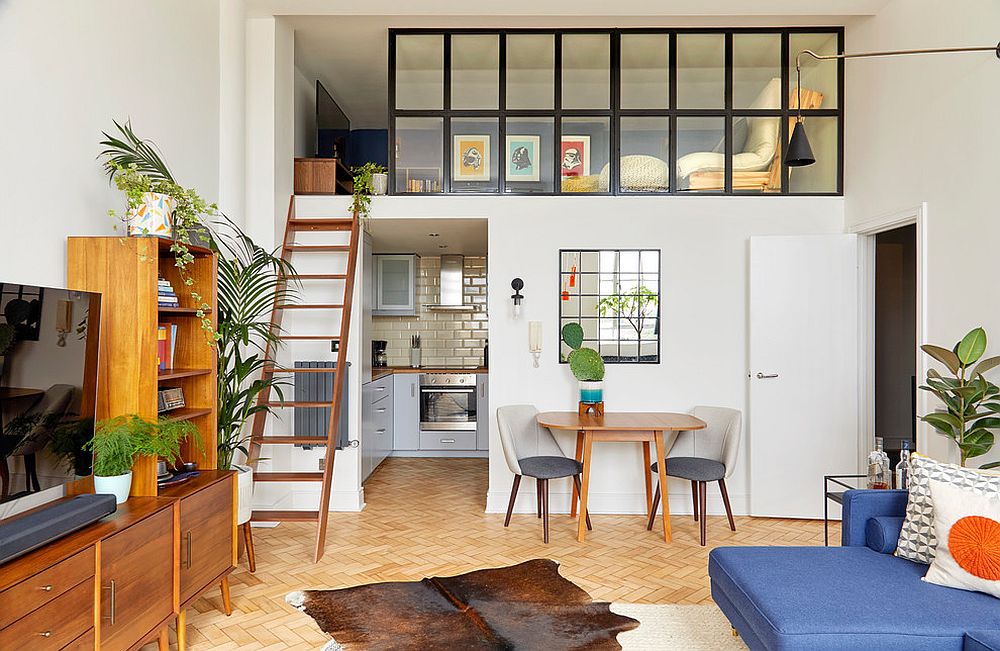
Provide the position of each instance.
(967, 525)
(917, 540)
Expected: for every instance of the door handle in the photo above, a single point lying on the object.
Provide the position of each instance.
(112, 588)
(766, 376)
(188, 563)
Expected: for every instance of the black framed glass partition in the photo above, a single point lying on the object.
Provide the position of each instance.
(631, 111)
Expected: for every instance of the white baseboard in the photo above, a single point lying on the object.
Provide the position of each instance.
(452, 454)
(308, 500)
(611, 503)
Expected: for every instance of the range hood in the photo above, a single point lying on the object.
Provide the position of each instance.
(452, 282)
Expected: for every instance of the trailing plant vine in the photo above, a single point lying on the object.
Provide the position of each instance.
(364, 188)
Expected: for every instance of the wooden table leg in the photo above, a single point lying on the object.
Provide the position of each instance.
(227, 602)
(579, 457)
(163, 642)
(588, 441)
(182, 630)
(664, 496)
(646, 475)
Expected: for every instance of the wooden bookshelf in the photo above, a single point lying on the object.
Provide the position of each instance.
(125, 270)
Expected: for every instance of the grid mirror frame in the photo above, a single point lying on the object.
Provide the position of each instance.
(611, 184)
(615, 295)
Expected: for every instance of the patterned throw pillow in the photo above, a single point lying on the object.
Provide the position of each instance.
(917, 540)
(967, 524)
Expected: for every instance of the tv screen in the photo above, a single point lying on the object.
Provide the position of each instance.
(333, 128)
(48, 389)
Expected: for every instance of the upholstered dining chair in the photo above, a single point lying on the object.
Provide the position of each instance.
(531, 450)
(43, 418)
(715, 451)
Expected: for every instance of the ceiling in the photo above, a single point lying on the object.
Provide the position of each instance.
(456, 235)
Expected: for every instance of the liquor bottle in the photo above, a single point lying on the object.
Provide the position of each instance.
(903, 467)
(879, 471)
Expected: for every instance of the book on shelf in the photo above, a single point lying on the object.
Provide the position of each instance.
(166, 345)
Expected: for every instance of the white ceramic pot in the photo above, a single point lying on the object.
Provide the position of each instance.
(244, 493)
(119, 486)
(380, 183)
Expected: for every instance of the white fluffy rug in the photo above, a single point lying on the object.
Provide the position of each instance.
(691, 628)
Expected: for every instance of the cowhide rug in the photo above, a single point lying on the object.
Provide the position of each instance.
(524, 606)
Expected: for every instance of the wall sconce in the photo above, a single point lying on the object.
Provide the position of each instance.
(517, 285)
(535, 340)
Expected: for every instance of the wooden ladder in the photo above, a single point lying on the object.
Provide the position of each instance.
(289, 247)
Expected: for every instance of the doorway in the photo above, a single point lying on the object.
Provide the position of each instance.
(895, 337)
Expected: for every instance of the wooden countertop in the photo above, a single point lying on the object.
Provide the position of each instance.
(380, 372)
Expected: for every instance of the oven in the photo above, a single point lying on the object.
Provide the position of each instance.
(448, 402)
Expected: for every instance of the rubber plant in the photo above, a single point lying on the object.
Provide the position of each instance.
(364, 188)
(585, 363)
(135, 167)
(972, 403)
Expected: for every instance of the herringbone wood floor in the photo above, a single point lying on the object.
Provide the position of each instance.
(425, 517)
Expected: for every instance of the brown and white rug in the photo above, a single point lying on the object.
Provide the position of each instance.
(524, 606)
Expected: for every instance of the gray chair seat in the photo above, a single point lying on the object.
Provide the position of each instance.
(694, 468)
(550, 467)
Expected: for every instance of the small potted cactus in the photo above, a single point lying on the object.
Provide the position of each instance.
(586, 364)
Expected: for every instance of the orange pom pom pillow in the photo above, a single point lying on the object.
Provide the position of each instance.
(967, 526)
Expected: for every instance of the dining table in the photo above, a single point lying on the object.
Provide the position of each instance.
(640, 427)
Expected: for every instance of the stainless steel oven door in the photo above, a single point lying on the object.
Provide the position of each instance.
(448, 408)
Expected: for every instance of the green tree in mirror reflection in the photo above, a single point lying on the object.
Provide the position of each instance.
(636, 307)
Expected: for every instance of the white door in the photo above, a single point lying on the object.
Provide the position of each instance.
(803, 412)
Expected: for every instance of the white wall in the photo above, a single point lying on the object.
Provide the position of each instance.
(67, 69)
(923, 129)
(305, 114)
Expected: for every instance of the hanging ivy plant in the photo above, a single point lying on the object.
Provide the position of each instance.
(364, 188)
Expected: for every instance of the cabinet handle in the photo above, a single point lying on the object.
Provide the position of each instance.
(46, 634)
(46, 588)
(380, 410)
(380, 431)
(380, 388)
(447, 440)
(114, 592)
(188, 537)
(413, 390)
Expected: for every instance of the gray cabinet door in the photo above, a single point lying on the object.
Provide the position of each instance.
(406, 411)
(396, 286)
(367, 430)
(482, 411)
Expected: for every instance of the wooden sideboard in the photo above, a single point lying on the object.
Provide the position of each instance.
(118, 583)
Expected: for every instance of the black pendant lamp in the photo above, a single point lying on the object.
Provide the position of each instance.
(799, 153)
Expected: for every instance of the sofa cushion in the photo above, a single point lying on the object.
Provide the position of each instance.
(881, 533)
(843, 598)
(982, 641)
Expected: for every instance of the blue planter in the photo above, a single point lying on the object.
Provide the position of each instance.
(591, 392)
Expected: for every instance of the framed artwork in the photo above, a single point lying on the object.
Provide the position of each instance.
(522, 158)
(21, 307)
(575, 156)
(471, 158)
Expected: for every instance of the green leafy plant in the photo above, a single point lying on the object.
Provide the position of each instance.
(69, 443)
(118, 441)
(586, 364)
(635, 306)
(135, 167)
(251, 280)
(363, 187)
(6, 338)
(972, 401)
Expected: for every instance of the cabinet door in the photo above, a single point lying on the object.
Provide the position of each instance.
(137, 571)
(396, 289)
(406, 411)
(482, 412)
(206, 537)
(367, 430)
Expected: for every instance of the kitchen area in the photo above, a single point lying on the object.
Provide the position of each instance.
(425, 323)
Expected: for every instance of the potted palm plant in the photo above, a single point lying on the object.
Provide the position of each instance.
(586, 364)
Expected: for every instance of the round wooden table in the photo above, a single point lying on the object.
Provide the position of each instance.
(643, 427)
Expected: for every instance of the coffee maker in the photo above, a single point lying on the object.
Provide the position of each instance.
(379, 357)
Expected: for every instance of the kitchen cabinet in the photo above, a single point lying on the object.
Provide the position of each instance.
(406, 411)
(395, 285)
(376, 424)
(482, 411)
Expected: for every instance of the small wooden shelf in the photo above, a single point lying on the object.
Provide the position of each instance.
(177, 373)
(186, 413)
(182, 311)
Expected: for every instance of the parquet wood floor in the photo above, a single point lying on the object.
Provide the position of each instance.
(425, 517)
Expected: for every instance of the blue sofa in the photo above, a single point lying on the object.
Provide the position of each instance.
(855, 597)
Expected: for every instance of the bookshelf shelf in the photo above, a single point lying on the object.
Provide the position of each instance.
(186, 413)
(178, 373)
(182, 311)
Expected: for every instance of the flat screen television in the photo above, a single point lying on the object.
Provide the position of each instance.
(333, 128)
(48, 389)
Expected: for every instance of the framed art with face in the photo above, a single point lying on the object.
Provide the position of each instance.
(574, 156)
(522, 158)
(471, 158)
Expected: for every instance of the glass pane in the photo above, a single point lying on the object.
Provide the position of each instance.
(474, 155)
(528, 155)
(395, 286)
(419, 144)
(645, 71)
(701, 153)
(645, 150)
(821, 176)
(756, 165)
(586, 71)
(817, 76)
(530, 71)
(757, 71)
(420, 71)
(701, 74)
(475, 71)
(584, 154)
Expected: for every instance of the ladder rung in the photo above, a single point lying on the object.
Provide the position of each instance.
(311, 306)
(321, 224)
(285, 516)
(288, 476)
(317, 247)
(317, 276)
(275, 369)
(291, 440)
(295, 403)
(310, 337)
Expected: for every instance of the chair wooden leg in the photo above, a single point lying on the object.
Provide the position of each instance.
(725, 500)
(538, 495)
(545, 510)
(248, 540)
(652, 511)
(163, 642)
(31, 474)
(513, 497)
(702, 499)
(227, 602)
(694, 498)
(576, 495)
(182, 630)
